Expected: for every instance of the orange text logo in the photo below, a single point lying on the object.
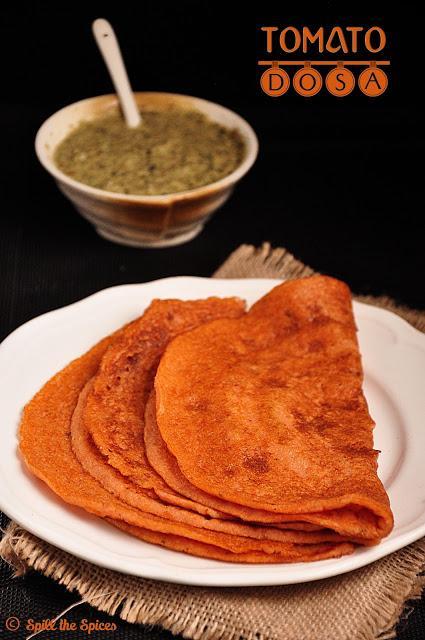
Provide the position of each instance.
(339, 76)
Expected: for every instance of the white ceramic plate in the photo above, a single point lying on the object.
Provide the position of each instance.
(394, 363)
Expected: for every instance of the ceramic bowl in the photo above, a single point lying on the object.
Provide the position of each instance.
(138, 220)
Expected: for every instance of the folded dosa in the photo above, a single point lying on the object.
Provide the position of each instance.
(272, 406)
(113, 404)
(45, 444)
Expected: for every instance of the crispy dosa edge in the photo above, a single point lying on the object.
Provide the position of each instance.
(194, 548)
(45, 445)
(299, 325)
(97, 466)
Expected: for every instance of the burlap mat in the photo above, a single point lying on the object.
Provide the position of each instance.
(362, 605)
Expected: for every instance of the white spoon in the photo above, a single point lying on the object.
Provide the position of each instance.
(110, 50)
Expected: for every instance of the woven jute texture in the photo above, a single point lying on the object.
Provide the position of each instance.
(361, 605)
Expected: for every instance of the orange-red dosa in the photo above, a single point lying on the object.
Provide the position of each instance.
(267, 411)
(46, 448)
(112, 406)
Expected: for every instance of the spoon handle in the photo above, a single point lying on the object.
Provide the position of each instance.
(110, 50)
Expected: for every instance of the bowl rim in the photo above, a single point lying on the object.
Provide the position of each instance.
(250, 139)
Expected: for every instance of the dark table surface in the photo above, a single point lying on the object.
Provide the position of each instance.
(336, 182)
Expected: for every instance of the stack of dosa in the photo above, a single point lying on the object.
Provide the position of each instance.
(239, 436)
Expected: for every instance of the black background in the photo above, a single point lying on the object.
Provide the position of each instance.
(338, 181)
